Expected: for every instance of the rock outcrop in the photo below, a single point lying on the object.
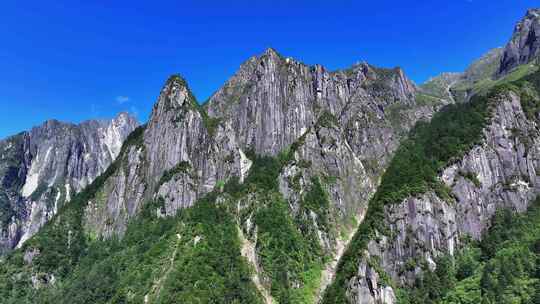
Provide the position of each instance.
(501, 172)
(351, 121)
(459, 87)
(524, 46)
(331, 132)
(40, 170)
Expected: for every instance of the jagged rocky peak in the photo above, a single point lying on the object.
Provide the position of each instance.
(524, 46)
(57, 150)
(175, 94)
(272, 99)
(43, 168)
(385, 80)
(175, 127)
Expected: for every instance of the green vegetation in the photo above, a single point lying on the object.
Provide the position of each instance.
(484, 85)
(502, 268)
(436, 88)
(472, 177)
(430, 147)
(396, 115)
(327, 120)
(289, 250)
(316, 200)
(193, 257)
(529, 98)
(285, 255)
(426, 99)
(210, 123)
(413, 170)
(182, 167)
(6, 211)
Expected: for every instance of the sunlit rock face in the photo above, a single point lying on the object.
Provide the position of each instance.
(351, 122)
(40, 170)
(505, 167)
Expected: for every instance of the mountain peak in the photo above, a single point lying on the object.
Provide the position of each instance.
(175, 98)
(176, 79)
(525, 43)
(271, 52)
(533, 13)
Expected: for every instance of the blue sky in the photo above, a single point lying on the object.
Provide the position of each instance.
(76, 60)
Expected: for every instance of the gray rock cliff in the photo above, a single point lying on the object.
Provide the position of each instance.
(501, 172)
(40, 170)
(525, 43)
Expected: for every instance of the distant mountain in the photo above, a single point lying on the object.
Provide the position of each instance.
(460, 86)
(517, 59)
(40, 170)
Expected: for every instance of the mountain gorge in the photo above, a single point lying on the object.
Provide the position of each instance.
(291, 184)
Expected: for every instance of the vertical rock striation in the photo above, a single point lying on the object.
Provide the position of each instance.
(41, 169)
(524, 46)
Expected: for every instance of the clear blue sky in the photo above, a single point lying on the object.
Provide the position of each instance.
(76, 60)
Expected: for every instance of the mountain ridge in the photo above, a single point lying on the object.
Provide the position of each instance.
(252, 196)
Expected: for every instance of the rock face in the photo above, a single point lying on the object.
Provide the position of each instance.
(178, 159)
(367, 288)
(525, 44)
(351, 121)
(42, 169)
(500, 172)
(273, 100)
(484, 68)
(339, 128)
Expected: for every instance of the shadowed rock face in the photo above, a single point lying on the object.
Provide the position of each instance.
(42, 168)
(499, 172)
(525, 43)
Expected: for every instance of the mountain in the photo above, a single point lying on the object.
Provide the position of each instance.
(478, 76)
(40, 170)
(295, 184)
(524, 46)
(443, 190)
(281, 141)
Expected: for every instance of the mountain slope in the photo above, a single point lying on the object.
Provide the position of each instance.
(524, 46)
(252, 196)
(41, 169)
(478, 76)
(443, 186)
(289, 193)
